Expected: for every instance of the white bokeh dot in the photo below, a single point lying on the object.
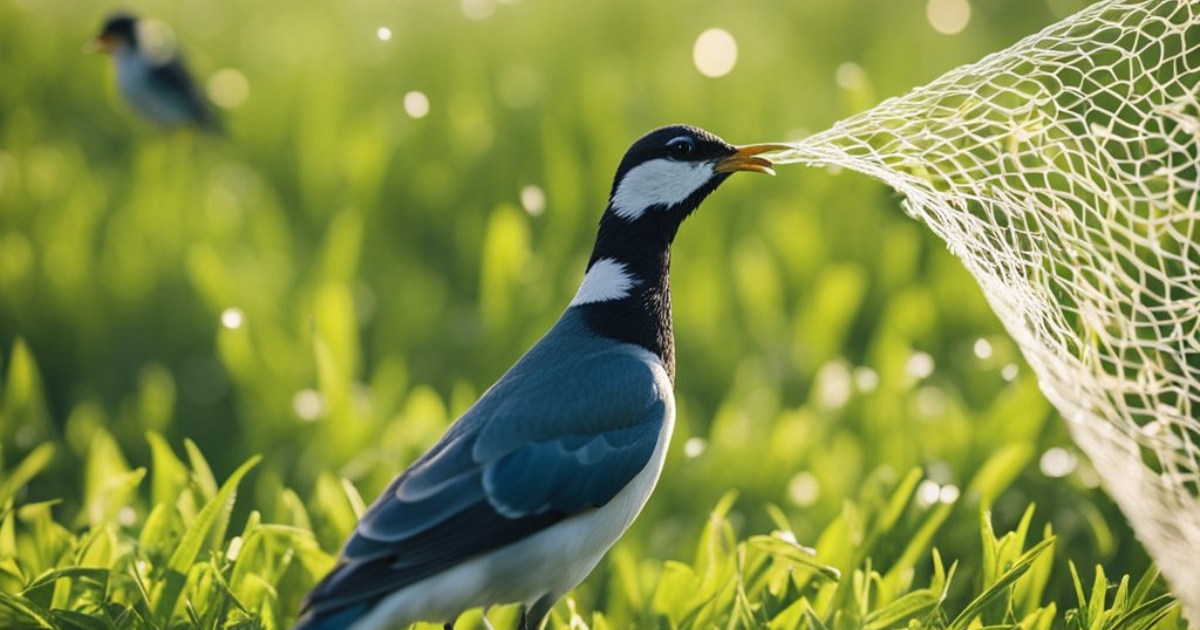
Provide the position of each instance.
(834, 384)
(308, 404)
(850, 76)
(804, 489)
(416, 104)
(866, 379)
(232, 318)
(694, 447)
(478, 9)
(928, 493)
(948, 17)
(533, 199)
(919, 366)
(383, 33)
(127, 516)
(1010, 371)
(228, 88)
(715, 53)
(1058, 462)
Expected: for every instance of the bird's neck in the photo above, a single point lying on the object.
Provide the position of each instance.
(626, 294)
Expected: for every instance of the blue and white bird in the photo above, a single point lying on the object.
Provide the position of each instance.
(151, 76)
(532, 485)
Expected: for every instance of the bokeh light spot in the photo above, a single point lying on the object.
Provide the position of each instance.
(127, 516)
(850, 76)
(416, 104)
(931, 402)
(478, 9)
(156, 41)
(533, 199)
(948, 17)
(804, 489)
(833, 385)
(308, 404)
(715, 53)
(1057, 462)
(228, 88)
(232, 318)
(1009, 373)
(866, 379)
(695, 447)
(383, 33)
(983, 348)
(928, 493)
(919, 366)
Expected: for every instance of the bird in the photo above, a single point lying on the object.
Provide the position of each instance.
(151, 75)
(528, 489)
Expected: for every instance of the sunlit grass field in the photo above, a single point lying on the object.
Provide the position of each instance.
(299, 308)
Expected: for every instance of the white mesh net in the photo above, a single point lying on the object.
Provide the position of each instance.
(1063, 172)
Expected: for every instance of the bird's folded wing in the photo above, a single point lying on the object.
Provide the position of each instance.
(172, 81)
(548, 447)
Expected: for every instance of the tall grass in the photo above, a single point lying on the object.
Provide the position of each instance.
(382, 271)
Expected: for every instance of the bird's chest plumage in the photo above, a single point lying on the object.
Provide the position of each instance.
(136, 82)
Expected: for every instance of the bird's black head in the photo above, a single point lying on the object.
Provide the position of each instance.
(662, 179)
(672, 169)
(120, 28)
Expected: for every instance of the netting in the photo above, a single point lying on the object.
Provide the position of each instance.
(1063, 172)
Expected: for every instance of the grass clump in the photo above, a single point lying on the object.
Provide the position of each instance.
(174, 562)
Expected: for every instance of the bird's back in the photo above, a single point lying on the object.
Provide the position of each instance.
(165, 93)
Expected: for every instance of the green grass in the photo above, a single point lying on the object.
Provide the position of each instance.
(386, 270)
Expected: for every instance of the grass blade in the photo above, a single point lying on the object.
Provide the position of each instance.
(26, 609)
(794, 553)
(193, 540)
(34, 463)
(1023, 564)
(905, 607)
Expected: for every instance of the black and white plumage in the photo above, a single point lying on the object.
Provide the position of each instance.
(151, 76)
(532, 485)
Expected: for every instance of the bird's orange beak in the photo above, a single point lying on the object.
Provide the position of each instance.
(101, 43)
(748, 158)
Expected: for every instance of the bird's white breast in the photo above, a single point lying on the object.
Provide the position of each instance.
(549, 563)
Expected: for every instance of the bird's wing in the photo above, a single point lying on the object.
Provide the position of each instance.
(172, 80)
(539, 447)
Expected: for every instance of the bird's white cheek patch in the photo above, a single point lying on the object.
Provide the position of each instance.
(658, 182)
(606, 280)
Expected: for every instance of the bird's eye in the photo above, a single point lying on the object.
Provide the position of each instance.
(680, 148)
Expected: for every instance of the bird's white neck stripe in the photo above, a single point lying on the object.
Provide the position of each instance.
(607, 280)
(658, 182)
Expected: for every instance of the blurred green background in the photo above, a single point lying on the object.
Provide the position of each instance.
(335, 280)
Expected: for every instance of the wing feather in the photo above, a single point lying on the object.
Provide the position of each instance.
(537, 448)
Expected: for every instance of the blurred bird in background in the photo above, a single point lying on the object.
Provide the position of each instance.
(151, 75)
(531, 486)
